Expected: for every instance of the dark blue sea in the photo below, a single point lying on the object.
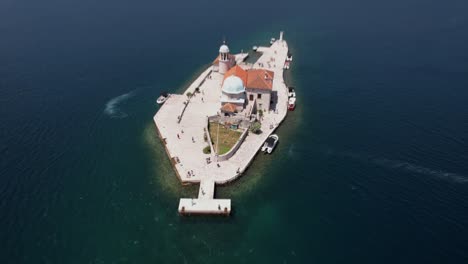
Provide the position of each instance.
(372, 167)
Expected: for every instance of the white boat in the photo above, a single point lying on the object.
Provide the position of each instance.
(162, 98)
(291, 92)
(272, 40)
(292, 103)
(254, 48)
(286, 65)
(270, 143)
(289, 57)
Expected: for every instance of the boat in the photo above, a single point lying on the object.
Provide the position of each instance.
(286, 65)
(289, 57)
(292, 103)
(162, 98)
(270, 143)
(254, 48)
(291, 92)
(272, 40)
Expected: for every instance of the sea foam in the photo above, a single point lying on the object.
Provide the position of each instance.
(113, 109)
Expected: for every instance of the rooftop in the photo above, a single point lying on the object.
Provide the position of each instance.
(228, 108)
(224, 49)
(237, 71)
(233, 85)
(260, 79)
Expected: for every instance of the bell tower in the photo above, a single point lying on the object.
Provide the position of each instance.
(224, 58)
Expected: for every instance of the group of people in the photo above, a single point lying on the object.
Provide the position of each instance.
(182, 131)
(190, 174)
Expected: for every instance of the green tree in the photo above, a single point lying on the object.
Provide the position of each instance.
(256, 128)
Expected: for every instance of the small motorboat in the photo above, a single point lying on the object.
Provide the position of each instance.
(289, 57)
(292, 103)
(254, 48)
(162, 98)
(291, 92)
(286, 65)
(272, 40)
(270, 143)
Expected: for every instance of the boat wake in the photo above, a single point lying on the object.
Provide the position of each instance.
(112, 106)
(403, 166)
(395, 164)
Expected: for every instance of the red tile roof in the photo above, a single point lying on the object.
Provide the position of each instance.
(216, 61)
(230, 108)
(237, 71)
(260, 79)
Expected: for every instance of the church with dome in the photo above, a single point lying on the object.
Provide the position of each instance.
(242, 88)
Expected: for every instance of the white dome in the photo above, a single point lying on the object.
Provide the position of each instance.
(224, 49)
(233, 85)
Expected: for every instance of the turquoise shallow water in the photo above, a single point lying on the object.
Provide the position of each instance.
(371, 167)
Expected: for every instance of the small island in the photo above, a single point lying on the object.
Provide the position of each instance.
(213, 131)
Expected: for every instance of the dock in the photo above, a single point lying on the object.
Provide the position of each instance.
(189, 206)
(205, 204)
(181, 121)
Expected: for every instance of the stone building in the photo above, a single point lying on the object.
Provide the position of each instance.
(259, 88)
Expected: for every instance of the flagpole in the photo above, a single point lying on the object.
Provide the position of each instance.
(217, 141)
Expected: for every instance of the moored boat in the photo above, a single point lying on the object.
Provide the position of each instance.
(272, 40)
(286, 65)
(254, 48)
(291, 92)
(289, 57)
(270, 143)
(292, 103)
(162, 98)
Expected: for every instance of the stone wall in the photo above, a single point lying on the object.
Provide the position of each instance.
(243, 124)
(207, 131)
(233, 150)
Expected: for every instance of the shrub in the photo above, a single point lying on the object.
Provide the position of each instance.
(256, 128)
(207, 150)
(189, 94)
